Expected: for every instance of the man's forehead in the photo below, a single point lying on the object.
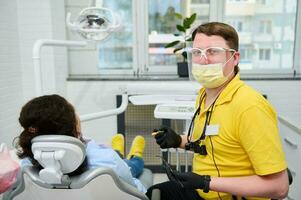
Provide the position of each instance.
(204, 41)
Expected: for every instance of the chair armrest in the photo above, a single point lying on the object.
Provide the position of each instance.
(84, 178)
(146, 178)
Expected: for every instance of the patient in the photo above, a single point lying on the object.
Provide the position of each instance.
(54, 115)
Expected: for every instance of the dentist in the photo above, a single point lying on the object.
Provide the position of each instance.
(234, 132)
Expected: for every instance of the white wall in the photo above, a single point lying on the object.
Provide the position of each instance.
(284, 95)
(22, 23)
(91, 96)
(42, 20)
(11, 94)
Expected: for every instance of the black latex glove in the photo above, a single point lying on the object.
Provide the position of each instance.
(167, 138)
(192, 180)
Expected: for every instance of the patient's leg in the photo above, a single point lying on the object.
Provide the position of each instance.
(136, 165)
(134, 159)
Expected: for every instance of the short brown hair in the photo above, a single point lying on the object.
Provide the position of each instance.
(220, 29)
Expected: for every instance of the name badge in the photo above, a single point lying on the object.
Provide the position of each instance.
(212, 130)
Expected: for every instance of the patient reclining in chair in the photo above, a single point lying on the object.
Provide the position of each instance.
(54, 115)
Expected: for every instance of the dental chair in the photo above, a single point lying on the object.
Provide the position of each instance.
(60, 155)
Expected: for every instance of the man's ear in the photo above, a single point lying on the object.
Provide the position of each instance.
(236, 58)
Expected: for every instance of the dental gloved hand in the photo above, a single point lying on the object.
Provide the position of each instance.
(192, 180)
(167, 138)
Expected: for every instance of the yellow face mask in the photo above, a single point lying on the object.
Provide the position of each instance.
(210, 76)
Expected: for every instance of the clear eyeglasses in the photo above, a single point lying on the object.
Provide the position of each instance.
(209, 52)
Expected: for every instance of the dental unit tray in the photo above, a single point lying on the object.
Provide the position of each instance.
(174, 111)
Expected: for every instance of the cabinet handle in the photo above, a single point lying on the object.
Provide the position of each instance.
(291, 143)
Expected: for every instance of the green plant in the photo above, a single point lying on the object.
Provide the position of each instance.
(183, 28)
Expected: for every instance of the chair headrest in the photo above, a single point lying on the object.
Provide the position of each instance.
(58, 155)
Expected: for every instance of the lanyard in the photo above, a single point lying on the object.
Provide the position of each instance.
(191, 125)
(207, 120)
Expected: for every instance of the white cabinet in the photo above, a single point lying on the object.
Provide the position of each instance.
(291, 140)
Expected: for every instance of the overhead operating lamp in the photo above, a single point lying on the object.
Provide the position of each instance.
(94, 23)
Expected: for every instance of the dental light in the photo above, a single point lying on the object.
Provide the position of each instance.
(94, 23)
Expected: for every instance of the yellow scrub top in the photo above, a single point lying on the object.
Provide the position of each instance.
(247, 141)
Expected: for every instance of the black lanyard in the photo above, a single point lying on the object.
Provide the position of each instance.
(207, 120)
(194, 116)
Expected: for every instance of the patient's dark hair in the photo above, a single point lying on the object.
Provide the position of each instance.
(45, 115)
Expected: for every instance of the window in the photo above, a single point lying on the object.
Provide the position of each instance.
(162, 27)
(200, 1)
(265, 26)
(238, 25)
(265, 54)
(238, 0)
(117, 52)
(162, 30)
(245, 53)
(264, 2)
(266, 33)
(261, 31)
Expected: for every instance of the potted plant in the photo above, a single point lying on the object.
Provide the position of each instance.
(180, 45)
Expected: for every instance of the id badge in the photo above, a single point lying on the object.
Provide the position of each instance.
(212, 130)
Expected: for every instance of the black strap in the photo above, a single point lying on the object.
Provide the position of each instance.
(194, 116)
(235, 198)
(207, 121)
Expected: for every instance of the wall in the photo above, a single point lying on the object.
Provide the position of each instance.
(283, 95)
(25, 22)
(92, 96)
(11, 71)
(42, 20)
(89, 97)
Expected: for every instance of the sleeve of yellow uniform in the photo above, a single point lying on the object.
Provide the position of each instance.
(259, 136)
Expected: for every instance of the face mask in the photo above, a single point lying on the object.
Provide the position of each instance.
(211, 75)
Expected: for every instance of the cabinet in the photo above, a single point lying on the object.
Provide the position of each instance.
(291, 140)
